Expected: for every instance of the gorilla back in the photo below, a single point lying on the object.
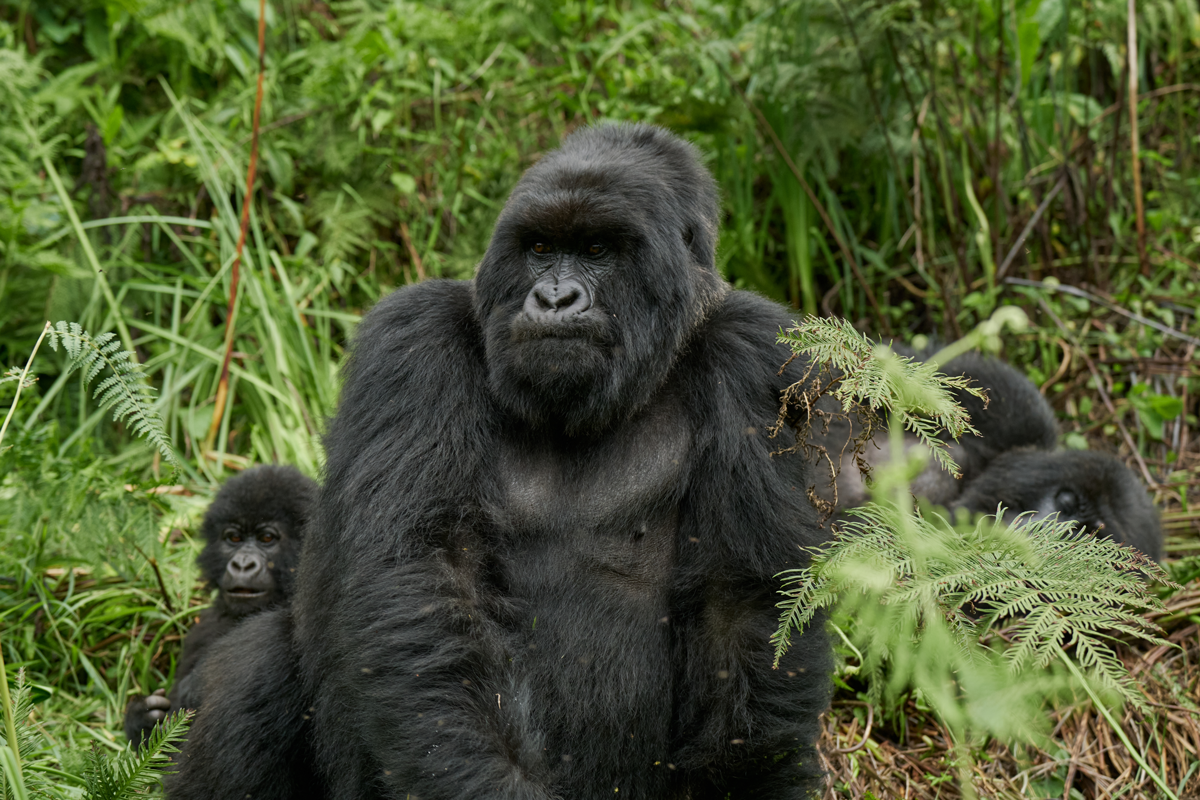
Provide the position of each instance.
(543, 561)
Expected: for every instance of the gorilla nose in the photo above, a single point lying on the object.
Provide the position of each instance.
(550, 301)
(244, 565)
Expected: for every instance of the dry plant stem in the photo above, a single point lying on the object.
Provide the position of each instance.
(1073, 769)
(231, 313)
(162, 586)
(1132, 55)
(1100, 301)
(1037, 215)
(1116, 726)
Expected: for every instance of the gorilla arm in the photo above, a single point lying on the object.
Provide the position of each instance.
(143, 713)
(390, 613)
(746, 519)
(252, 720)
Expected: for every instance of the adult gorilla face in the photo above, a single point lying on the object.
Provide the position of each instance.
(580, 292)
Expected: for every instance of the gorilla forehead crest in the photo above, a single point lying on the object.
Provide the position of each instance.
(623, 180)
(601, 266)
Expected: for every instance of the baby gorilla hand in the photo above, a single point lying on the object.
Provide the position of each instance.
(157, 705)
(143, 713)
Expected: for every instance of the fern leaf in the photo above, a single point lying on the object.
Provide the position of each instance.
(125, 393)
(126, 775)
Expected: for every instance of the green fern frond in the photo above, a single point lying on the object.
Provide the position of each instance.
(125, 776)
(125, 393)
(869, 376)
(1044, 583)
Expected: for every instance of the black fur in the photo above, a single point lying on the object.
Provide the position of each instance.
(258, 654)
(543, 562)
(1015, 417)
(1094, 490)
(1011, 462)
(268, 502)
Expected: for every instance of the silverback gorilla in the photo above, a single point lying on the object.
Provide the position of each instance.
(252, 534)
(542, 563)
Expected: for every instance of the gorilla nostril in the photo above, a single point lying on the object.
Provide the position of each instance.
(557, 299)
(543, 297)
(567, 298)
(243, 564)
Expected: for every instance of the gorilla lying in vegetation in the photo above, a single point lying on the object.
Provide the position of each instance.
(543, 562)
(1012, 462)
(253, 532)
(1016, 416)
(1094, 490)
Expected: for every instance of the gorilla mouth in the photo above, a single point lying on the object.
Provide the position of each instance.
(583, 326)
(246, 593)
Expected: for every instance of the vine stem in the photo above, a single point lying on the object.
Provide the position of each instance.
(10, 724)
(1116, 727)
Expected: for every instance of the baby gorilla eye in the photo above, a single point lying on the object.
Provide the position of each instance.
(233, 535)
(268, 536)
(541, 248)
(595, 249)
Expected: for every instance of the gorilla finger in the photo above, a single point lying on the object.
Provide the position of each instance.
(158, 702)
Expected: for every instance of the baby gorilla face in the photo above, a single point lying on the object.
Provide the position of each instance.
(248, 583)
(253, 531)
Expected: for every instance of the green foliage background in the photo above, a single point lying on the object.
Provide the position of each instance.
(930, 132)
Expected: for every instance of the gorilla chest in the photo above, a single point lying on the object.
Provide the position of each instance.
(570, 508)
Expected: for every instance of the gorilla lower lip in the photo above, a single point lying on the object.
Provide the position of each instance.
(247, 593)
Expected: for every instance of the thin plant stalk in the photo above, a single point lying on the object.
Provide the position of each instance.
(1116, 726)
(10, 724)
(21, 385)
(1132, 54)
(231, 314)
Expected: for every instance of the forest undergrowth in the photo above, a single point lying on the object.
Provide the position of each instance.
(908, 166)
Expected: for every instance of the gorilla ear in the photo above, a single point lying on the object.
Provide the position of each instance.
(698, 245)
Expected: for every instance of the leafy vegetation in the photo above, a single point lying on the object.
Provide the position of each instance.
(969, 617)
(908, 166)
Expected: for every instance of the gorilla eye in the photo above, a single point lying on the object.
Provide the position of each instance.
(268, 536)
(541, 248)
(595, 249)
(1067, 501)
(233, 535)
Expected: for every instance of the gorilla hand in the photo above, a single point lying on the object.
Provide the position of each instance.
(143, 713)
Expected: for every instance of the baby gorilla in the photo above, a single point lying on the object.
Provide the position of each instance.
(253, 530)
(1093, 490)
